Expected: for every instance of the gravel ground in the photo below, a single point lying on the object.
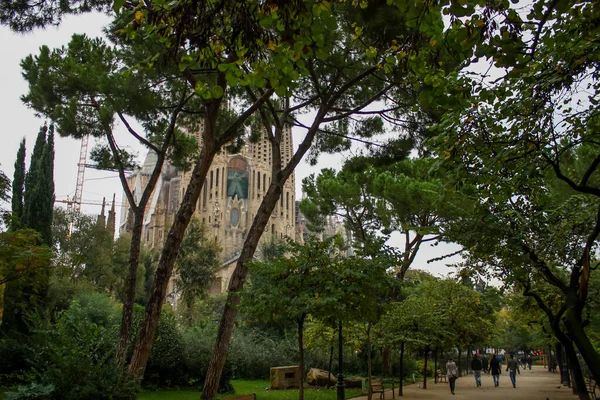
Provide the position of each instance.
(534, 384)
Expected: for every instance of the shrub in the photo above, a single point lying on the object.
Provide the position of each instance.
(252, 353)
(74, 356)
(199, 343)
(420, 364)
(166, 365)
(31, 391)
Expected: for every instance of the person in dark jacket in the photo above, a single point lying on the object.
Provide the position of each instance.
(513, 365)
(496, 369)
(529, 362)
(485, 364)
(476, 366)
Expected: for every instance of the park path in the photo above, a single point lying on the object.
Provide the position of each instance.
(534, 384)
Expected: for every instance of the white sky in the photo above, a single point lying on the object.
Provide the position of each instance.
(19, 122)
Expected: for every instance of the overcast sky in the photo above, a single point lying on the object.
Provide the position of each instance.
(18, 121)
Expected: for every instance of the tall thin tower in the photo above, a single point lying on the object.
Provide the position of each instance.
(75, 205)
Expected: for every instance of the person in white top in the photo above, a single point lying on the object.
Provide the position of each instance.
(452, 373)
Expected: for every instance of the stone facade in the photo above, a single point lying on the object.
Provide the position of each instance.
(232, 193)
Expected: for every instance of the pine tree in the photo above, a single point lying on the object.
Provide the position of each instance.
(18, 187)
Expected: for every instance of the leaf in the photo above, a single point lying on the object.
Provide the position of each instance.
(117, 5)
(216, 92)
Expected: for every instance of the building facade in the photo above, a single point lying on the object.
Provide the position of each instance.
(232, 193)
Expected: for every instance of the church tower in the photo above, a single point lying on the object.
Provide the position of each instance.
(235, 187)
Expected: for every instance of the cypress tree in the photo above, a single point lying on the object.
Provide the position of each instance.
(30, 201)
(18, 187)
(28, 293)
(44, 190)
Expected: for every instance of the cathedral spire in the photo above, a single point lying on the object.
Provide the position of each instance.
(112, 216)
(101, 217)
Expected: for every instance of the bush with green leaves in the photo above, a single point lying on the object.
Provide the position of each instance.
(166, 366)
(199, 342)
(74, 357)
(253, 353)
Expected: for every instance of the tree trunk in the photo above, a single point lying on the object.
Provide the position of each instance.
(387, 361)
(236, 284)
(562, 365)
(130, 284)
(401, 384)
(301, 354)
(587, 350)
(579, 387)
(459, 366)
(468, 360)
(330, 361)
(425, 367)
(143, 345)
(369, 361)
(435, 366)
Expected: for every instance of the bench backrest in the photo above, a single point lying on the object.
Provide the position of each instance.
(376, 385)
(244, 397)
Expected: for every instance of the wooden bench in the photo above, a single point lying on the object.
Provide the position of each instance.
(377, 386)
(592, 388)
(243, 397)
(441, 377)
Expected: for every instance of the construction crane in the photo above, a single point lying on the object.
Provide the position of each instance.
(70, 203)
(75, 204)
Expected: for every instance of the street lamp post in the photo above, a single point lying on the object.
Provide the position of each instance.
(340, 378)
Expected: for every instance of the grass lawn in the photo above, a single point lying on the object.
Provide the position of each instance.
(248, 387)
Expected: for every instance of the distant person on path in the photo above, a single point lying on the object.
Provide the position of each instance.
(485, 364)
(529, 361)
(476, 366)
(513, 365)
(496, 370)
(452, 374)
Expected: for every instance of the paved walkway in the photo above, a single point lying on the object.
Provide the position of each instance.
(533, 384)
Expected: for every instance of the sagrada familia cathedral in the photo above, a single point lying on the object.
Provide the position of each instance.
(234, 188)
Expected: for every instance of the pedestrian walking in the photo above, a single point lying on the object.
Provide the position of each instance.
(476, 366)
(452, 374)
(528, 361)
(485, 364)
(513, 366)
(496, 370)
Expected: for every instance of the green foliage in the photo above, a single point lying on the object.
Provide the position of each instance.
(38, 201)
(75, 355)
(31, 391)
(439, 314)
(27, 294)
(18, 187)
(253, 353)
(419, 366)
(164, 366)
(315, 279)
(24, 265)
(4, 187)
(405, 197)
(197, 261)
(87, 250)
